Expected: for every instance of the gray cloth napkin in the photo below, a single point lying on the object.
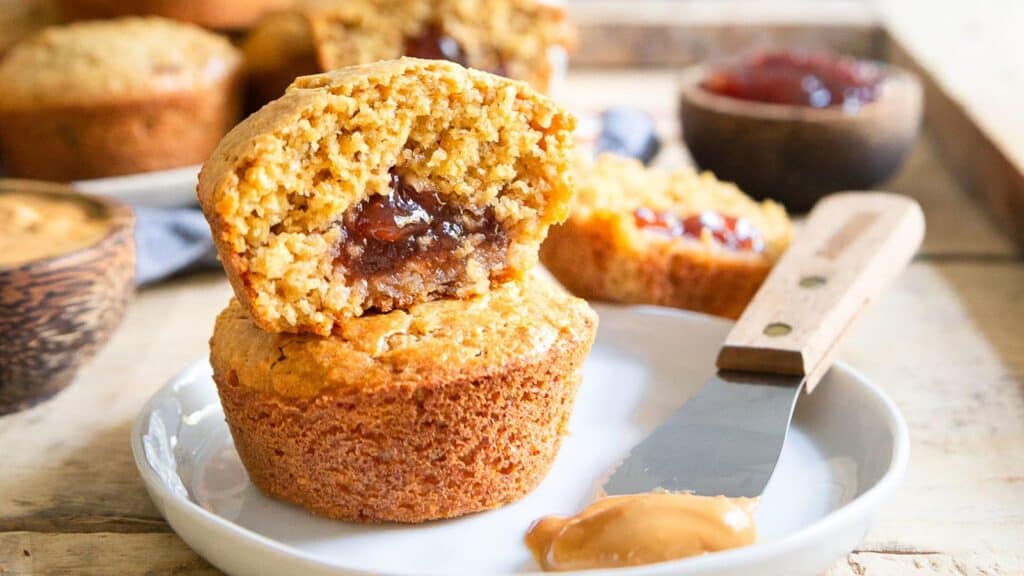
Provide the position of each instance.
(174, 241)
(169, 241)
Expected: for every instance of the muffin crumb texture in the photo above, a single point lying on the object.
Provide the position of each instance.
(376, 187)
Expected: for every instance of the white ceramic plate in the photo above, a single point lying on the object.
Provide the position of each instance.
(164, 189)
(842, 461)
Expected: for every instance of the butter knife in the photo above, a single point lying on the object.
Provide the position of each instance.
(727, 438)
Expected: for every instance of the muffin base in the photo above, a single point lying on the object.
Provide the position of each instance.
(588, 261)
(82, 142)
(407, 455)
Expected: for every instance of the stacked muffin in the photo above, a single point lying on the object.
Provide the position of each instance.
(390, 355)
(522, 39)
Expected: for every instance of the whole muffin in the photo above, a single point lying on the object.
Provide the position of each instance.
(376, 187)
(106, 98)
(444, 409)
(222, 14)
(522, 39)
(679, 239)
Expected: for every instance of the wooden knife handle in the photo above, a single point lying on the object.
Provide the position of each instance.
(851, 246)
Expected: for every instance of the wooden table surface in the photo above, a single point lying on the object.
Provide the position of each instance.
(946, 343)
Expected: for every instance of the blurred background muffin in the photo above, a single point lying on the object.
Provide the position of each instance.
(220, 14)
(522, 39)
(105, 98)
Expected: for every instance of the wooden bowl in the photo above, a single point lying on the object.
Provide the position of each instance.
(55, 313)
(797, 154)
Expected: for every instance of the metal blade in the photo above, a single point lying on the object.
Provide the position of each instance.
(725, 440)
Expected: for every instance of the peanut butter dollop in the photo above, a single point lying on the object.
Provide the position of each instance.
(38, 226)
(642, 529)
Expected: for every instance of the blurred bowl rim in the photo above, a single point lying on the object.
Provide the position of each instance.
(897, 80)
(119, 214)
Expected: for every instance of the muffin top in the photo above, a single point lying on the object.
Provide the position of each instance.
(620, 191)
(121, 60)
(516, 324)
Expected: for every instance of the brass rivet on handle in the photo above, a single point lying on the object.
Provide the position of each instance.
(777, 329)
(812, 281)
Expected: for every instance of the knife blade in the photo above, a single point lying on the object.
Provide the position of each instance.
(727, 438)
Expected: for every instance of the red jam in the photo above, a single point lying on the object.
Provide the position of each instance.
(733, 233)
(388, 231)
(434, 44)
(794, 78)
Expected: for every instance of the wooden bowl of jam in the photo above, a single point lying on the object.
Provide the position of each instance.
(795, 126)
(67, 269)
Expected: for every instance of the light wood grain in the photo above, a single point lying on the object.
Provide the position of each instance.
(973, 54)
(27, 553)
(847, 252)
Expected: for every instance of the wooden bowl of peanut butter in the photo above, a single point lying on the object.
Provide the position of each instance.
(67, 270)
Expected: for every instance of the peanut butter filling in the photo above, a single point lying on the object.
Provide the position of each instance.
(40, 226)
(639, 529)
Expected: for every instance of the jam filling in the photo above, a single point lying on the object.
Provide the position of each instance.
(793, 78)
(416, 231)
(434, 44)
(731, 232)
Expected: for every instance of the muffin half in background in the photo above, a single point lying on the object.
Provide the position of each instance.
(680, 239)
(219, 14)
(444, 409)
(521, 39)
(114, 97)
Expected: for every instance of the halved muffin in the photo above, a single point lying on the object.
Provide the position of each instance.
(447, 408)
(680, 239)
(376, 187)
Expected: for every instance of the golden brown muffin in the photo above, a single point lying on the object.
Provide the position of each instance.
(375, 187)
(448, 408)
(678, 239)
(222, 14)
(104, 98)
(522, 39)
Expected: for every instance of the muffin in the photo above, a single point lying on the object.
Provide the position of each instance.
(376, 187)
(105, 98)
(521, 39)
(447, 408)
(222, 14)
(679, 239)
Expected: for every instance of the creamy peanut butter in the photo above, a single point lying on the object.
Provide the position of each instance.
(642, 529)
(38, 226)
